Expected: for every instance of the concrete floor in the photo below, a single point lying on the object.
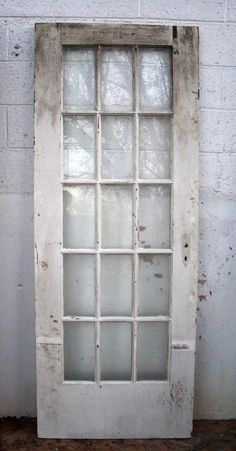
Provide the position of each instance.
(20, 434)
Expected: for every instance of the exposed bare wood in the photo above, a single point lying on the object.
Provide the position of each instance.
(185, 211)
(47, 182)
(105, 34)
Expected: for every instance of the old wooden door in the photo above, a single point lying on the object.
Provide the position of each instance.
(116, 194)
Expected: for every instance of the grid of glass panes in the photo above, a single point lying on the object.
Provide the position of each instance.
(117, 113)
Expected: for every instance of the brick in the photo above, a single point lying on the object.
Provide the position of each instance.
(218, 87)
(231, 11)
(3, 42)
(3, 127)
(17, 350)
(16, 171)
(72, 8)
(21, 40)
(183, 9)
(217, 44)
(216, 333)
(217, 178)
(20, 126)
(16, 83)
(217, 131)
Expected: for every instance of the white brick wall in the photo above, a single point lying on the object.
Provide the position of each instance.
(20, 126)
(216, 332)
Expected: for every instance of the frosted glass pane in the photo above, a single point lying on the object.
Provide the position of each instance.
(79, 351)
(116, 217)
(117, 137)
(116, 285)
(115, 351)
(152, 351)
(79, 79)
(79, 147)
(155, 147)
(116, 78)
(79, 285)
(154, 282)
(154, 217)
(155, 78)
(79, 217)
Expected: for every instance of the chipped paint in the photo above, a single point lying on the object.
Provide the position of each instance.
(148, 258)
(180, 346)
(142, 228)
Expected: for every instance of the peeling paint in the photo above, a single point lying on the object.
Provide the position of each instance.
(202, 281)
(148, 258)
(142, 228)
(202, 297)
(180, 346)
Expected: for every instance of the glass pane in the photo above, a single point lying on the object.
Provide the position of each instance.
(154, 282)
(79, 147)
(155, 147)
(79, 285)
(154, 218)
(79, 217)
(116, 78)
(79, 351)
(116, 217)
(116, 285)
(155, 78)
(115, 351)
(117, 138)
(79, 79)
(152, 351)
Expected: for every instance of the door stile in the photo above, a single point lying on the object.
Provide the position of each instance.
(47, 217)
(47, 181)
(185, 219)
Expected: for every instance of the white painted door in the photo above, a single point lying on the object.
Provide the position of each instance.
(116, 174)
